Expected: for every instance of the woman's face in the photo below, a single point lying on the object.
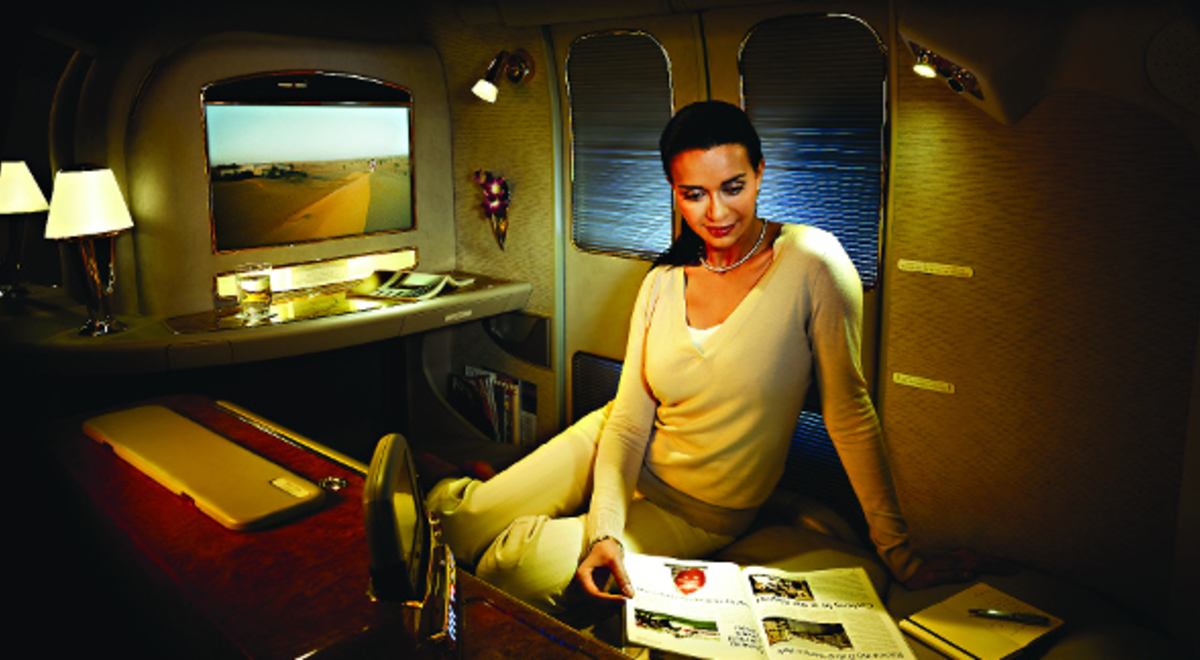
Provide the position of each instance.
(716, 190)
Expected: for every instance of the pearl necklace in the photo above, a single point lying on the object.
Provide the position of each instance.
(739, 262)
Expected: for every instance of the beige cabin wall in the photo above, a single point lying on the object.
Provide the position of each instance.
(512, 138)
(1070, 348)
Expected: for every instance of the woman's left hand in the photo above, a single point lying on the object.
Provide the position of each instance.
(957, 566)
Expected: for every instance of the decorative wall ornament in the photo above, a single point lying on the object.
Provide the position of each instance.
(495, 203)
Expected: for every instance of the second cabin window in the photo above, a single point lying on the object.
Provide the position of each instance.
(815, 87)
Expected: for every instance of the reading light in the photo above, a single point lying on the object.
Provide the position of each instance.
(931, 65)
(924, 67)
(516, 66)
(19, 194)
(87, 205)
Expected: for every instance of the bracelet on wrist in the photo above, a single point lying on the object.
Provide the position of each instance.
(607, 537)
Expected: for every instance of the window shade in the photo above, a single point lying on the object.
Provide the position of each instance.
(619, 89)
(814, 87)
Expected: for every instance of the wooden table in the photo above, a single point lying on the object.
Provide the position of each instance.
(296, 590)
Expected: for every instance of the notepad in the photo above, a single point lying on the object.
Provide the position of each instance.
(948, 628)
(227, 482)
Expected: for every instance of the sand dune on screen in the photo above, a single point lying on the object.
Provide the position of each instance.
(311, 201)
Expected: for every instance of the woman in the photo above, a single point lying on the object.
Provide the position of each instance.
(727, 333)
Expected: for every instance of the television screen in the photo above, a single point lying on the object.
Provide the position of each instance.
(294, 158)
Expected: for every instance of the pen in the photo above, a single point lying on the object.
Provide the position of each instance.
(1017, 617)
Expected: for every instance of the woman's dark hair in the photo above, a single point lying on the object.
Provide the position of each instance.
(702, 125)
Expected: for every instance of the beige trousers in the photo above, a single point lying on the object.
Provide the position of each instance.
(524, 528)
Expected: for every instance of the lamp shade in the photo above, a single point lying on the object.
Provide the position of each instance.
(485, 90)
(86, 203)
(19, 193)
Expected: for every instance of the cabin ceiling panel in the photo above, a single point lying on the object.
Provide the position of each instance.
(1019, 53)
(93, 27)
(1010, 53)
(1173, 63)
(557, 12)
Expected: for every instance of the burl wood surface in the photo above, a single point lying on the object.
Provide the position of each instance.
(295, 590)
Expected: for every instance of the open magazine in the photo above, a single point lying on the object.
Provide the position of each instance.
(409, 286)
(722, 610)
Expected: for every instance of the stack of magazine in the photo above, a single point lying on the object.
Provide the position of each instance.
(504, 408)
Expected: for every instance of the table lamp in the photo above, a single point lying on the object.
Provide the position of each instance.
(87, 205)
(19, 194)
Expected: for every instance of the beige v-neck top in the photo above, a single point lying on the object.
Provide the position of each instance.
(704, 431)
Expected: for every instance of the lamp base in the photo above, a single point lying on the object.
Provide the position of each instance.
(10, 270)
(102, 327)
(99, 275)
(10, 291)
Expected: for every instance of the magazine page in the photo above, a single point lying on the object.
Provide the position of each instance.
(833, 614)
(693, 608)
(408, 286)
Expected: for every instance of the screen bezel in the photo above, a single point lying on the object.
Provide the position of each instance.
(306, 88)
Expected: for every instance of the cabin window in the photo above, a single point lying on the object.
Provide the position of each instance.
(619, 90)
(815, 88)
(594, 382)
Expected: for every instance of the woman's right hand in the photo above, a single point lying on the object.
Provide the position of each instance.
(606, 557)
(962, 565)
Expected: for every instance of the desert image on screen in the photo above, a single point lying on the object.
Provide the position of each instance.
(291, 174)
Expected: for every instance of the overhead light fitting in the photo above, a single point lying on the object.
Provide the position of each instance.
(516, 66)
(931, 65)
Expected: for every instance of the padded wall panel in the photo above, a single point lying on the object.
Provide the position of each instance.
(1070, 349)
(513, 138)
